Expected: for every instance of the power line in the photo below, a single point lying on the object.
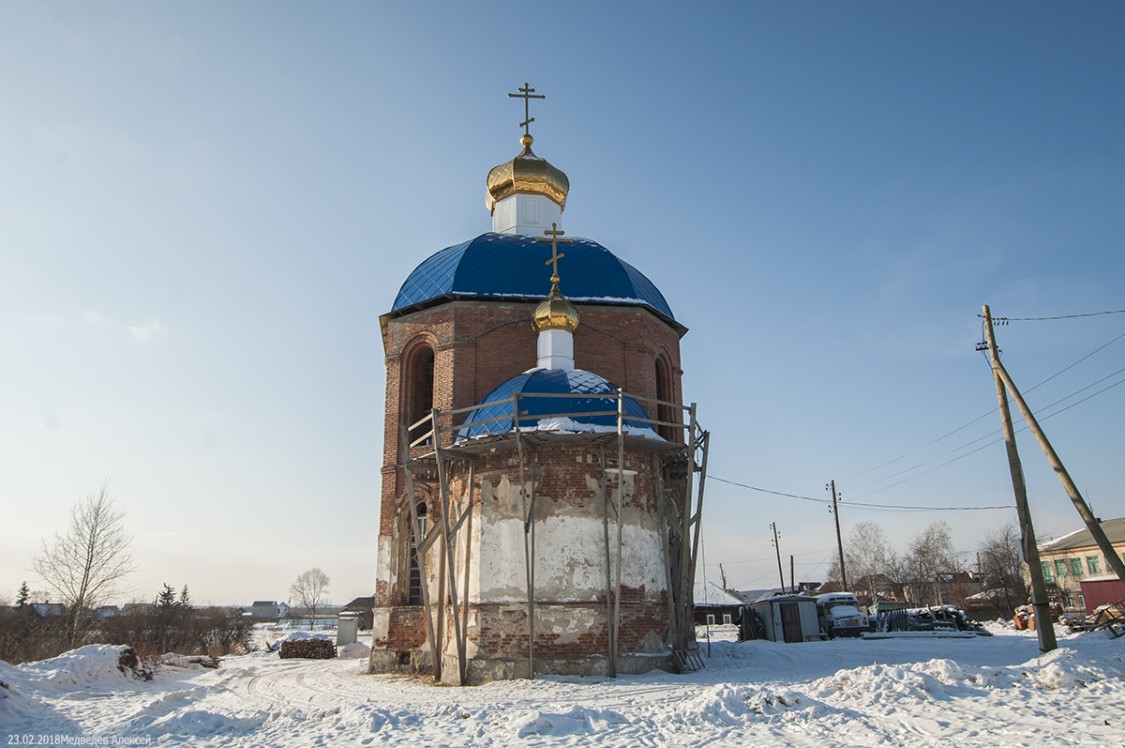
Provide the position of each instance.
(995, 432)
(978, 418)
(906, 508)
(899, 507)
(970, 423)
(1060, 371)
(1002, 320)
(1095, 394)
(924, 446)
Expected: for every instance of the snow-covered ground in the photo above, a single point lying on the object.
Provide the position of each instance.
(994, 691)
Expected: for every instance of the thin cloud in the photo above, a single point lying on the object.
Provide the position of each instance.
(96, 319)
(147, 330)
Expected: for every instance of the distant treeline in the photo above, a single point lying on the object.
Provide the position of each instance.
(170, 624)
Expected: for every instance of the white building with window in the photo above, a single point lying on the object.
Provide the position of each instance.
(1075, 556)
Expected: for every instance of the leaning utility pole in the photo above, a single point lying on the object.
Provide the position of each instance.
(777, 547)
(1043, 626)
(1092, 523)
(839, 542)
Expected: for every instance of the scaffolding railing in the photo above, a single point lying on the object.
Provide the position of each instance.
(439, 438)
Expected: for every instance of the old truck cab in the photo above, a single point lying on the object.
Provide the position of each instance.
(840, 614)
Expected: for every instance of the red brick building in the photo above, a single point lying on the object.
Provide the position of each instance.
(539, 469)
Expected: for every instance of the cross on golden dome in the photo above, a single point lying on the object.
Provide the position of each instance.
(554, 312)
(527, 93)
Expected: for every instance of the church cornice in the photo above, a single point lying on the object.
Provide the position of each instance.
(461, 301)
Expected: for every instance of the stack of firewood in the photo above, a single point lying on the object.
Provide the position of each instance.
(308, 649)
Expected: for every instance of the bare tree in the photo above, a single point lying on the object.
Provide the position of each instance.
(929, 555)
(1002, 569)
(87, 563)
(869, 557)
(310, 590)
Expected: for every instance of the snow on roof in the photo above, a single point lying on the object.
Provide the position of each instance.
(1113, 528)
(1103, 578)
(711, 595)
(593, 395)
(993, 594)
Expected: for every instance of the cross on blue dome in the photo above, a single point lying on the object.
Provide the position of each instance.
(510, 267)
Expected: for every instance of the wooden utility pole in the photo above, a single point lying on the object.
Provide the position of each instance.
(1043, 626)
(723, 576)
(839, 542)
(1092, 523)
(792, 583)
(777, 547)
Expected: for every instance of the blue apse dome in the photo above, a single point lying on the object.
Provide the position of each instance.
(513, 267)
(534, 410)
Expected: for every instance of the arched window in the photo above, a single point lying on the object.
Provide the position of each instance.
(418, 384)
(417, 534)
(665, 413)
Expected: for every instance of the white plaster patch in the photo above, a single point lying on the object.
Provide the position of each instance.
(570, 560)
(383, 558)
(380, 624)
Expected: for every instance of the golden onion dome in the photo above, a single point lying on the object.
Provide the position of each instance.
(555, 312)
(529, 175)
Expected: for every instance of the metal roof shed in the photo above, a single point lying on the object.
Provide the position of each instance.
(789, 618)
(1097, 591)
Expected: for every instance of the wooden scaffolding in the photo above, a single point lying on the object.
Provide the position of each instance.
(431, 447)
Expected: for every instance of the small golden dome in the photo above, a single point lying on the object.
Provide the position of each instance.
(555, 312)
(529, 175)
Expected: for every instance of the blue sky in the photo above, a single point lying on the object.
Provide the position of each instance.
(205, 207)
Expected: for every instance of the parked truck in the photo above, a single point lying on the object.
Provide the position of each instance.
(840, 615)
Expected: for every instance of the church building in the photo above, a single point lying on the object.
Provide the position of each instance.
(542, 481)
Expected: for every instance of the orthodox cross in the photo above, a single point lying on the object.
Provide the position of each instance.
(553, 235)
(527, 93)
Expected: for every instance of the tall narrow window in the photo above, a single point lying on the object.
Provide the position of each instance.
(418, 381)
(665, 413)
(417, 534)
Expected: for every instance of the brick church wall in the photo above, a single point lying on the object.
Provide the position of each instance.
(478, 345)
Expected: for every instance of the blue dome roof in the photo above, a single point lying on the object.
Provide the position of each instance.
(510, 266)
(532, 409)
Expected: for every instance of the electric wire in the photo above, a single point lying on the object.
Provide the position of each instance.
(1060, 316)
(899, 507)
(970, 423)
(978, 418)
(1021, 429)
(993, 433)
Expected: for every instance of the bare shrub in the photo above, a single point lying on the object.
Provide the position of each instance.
(25, 636)
(189, 631)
